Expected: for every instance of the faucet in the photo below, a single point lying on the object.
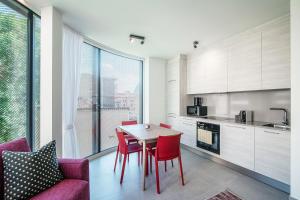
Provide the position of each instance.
(285, 122)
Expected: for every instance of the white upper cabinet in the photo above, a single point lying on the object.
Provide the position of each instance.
(175, 72)
(207, 71)
(276, 54)
(244, 62)
(257, 59)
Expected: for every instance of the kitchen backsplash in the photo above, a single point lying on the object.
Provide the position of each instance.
(229, 104)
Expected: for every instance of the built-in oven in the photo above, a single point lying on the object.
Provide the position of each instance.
(208, 136)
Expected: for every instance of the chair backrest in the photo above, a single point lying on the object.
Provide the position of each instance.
(168, 147)
(122, 142)
(165, 125)
(126, 123)
(20, 145)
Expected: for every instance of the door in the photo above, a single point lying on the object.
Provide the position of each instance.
(111, 91)
(237, 145)
(244, 62)
(87, 118)
(272, 153)
(121, 95)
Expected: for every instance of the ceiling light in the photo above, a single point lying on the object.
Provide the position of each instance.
(133, 38)
(195, 44)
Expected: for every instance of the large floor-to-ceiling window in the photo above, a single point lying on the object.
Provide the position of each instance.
(19, 73)
(111, 91)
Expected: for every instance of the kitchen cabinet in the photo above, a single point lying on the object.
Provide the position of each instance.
(173, 120)
(257, 59)
(207, 71)
(276, 54)
(188, 128)
(237, 145)
(195, 76)
(175, 85)
(272, 154)
(244, 61)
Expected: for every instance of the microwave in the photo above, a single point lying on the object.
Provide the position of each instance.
(196, 110)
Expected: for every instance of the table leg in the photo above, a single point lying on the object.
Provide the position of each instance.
(144, 165)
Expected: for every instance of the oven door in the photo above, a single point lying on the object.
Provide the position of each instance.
(192, 110)
(208, 137)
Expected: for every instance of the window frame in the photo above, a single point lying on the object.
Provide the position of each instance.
(117, 53)
(30, 119)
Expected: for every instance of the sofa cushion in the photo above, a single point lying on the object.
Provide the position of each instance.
(15, 145)
(68, 189)
(29, 173)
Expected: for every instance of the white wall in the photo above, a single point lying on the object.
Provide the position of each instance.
(51, 77)
(295, 99)
(154, 90)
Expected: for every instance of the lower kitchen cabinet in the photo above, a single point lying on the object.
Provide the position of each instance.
(272, 154)
(188, 128)
(237, 145)
(173, 120)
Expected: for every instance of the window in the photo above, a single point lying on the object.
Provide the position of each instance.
(19, 73)
(121, 94)
(110, 92)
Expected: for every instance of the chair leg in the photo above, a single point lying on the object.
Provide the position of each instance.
(172, 163)
(151, 164)
(147, 164)
(123, 168)
(116, 159)
(165, 165)
(157, 176)
(180, 165)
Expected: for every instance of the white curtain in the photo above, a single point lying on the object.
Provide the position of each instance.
(72, 47)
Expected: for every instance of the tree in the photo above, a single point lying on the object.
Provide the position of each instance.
(6, 74)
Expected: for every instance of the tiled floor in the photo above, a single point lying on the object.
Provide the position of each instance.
(203, 178)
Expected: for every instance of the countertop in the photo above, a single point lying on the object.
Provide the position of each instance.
(233, 121)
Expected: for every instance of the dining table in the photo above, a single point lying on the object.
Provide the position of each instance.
(147, 133)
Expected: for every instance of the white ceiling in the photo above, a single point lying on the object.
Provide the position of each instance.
(170, 26)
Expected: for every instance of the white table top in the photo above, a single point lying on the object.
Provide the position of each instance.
(141, 133)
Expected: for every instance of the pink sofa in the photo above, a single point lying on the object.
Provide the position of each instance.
(75, 186)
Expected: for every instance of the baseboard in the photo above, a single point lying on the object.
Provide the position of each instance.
(292, 198)
(102, 153)
(269, 181)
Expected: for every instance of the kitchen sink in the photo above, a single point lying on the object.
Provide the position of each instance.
(283, 126)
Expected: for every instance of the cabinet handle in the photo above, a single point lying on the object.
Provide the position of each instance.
(240, 127)
(171, 81)
(190, 124)
(272, 132)
(172, 116)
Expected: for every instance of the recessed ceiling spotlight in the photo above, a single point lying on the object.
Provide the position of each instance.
(195, 44)
(133, 38)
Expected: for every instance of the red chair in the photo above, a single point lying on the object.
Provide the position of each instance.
(165, 125)
(152, 145)
(167, 148)
(129, 138)
(126, 149)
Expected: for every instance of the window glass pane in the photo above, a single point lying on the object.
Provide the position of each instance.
(121, 94)
(87, 120)
(36, 81)
(13, 74)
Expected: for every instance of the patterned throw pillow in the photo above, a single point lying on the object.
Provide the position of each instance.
(29, 173)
